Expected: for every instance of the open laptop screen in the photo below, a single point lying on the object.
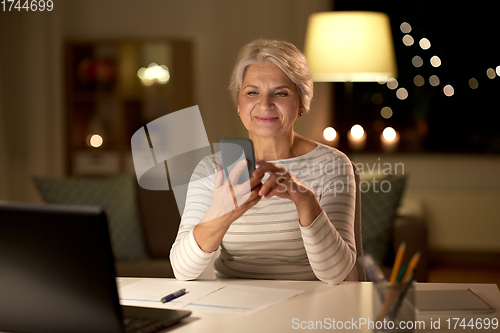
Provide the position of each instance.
(56, 270)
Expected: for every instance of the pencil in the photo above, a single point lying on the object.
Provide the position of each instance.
(391, 292)
(397, 263)
(411, 267)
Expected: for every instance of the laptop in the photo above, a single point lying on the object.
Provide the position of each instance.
(57, 274)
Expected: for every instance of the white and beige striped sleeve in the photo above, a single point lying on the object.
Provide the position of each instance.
(188, 260)
(329, 241)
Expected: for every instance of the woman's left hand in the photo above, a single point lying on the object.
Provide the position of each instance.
(281, 183)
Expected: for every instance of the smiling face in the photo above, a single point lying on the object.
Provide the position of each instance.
(268, 101)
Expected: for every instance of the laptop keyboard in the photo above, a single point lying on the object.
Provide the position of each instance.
(141, 325)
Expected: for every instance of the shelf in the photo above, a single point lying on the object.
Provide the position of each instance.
(104, 96)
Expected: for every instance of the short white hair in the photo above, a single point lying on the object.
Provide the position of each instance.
(284, 55)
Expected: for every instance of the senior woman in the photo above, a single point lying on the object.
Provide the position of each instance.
(298, 220)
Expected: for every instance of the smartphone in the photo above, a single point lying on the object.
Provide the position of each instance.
(233, 151)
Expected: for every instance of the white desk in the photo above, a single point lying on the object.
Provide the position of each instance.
(346, 302)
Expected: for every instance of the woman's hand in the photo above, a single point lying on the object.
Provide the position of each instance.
(230, 200)
(283, 184)
(231, 197)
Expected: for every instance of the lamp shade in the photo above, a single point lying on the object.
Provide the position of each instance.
(350, 46)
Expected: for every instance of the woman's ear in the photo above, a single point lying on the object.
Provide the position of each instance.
(301, 111)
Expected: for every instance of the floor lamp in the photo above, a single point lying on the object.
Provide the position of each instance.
(349, 47)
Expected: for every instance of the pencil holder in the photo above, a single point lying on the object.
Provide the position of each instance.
(393, 308)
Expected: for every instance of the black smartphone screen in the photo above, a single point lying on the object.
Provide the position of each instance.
(233, 151)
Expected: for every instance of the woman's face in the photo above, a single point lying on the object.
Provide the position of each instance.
(268, 101)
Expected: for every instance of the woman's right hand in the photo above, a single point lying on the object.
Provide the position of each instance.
(230, 200)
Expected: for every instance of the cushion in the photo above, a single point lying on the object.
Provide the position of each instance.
(380, 198)
(116, 195)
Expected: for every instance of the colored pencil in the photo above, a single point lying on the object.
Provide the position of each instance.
(397, 263)
(411, 267)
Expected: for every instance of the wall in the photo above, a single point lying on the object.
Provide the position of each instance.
(460, 194)
(31, 97)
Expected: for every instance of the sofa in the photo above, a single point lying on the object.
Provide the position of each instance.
(144, 223)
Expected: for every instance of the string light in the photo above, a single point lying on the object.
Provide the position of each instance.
(386, 112)
(417, 61)
(402, 93)
(491, 73)
(448, 90)
(405, 27)
(435, 61)
(419, 80)
(392, 83)
(408, 40)
(434, 80)
(425, 44)
(473, 84)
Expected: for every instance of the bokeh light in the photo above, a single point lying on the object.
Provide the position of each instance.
(448, 90)
(392, 83)
(329, 134)
(386, 112)
(389, 134)
(402, 93)
(473, 83)
(381, 79)
(96, 141)
(154, 73)
(408, 40)
(434, 80)
(491, 73)
(419, 80)
(357, 131)
(405, 27)
(425, 44)
(417, 61)
(435, 61)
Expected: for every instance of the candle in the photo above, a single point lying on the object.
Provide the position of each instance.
(389, 139)
(357, 138)
(330, 135)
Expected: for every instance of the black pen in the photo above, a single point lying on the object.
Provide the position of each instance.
(173, 295)
(402, 291)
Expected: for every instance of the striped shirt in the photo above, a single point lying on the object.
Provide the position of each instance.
(267, 242)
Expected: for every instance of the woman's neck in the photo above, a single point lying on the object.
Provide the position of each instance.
(273, 148)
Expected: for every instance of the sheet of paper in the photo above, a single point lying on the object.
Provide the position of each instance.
(148, 292)
(238, 299)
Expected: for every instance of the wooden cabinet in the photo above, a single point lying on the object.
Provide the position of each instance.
(106, 101)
